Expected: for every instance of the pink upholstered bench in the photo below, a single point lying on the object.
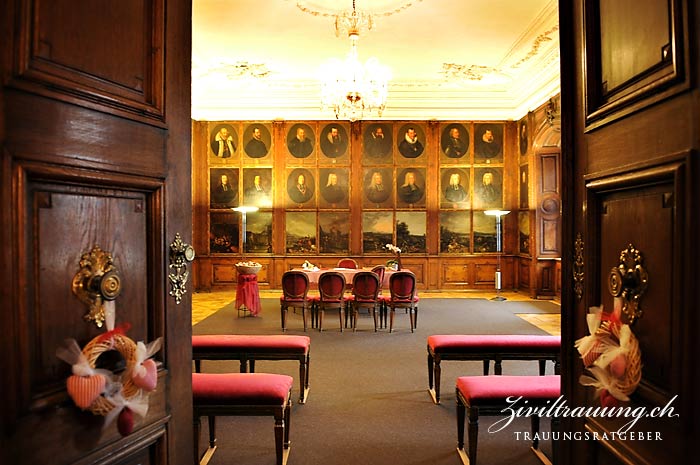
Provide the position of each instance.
(487, 347)
(231, 394)
(486, 395)
(249, 348)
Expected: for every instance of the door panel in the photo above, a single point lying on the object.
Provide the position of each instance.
(630, 161)
(95, 152)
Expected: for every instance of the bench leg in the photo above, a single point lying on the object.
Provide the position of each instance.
(197, 428)
(251, 363)
(287, 425)
(497, 367)
(460, 423)
(197, 366)
(543, 366)
(557, 367)
(486, 366)
(303, 378)
(430, 371)
(473, 433)
(279, 436)
(438, 373)
(535, 427)
(212, 431)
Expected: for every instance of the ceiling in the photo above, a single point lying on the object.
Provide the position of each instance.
(450, 59)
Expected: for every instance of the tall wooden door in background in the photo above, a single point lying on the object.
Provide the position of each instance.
(630, 116)
(95, 132)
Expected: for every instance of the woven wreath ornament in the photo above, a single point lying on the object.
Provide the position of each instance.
(101, 391)
(611, 354)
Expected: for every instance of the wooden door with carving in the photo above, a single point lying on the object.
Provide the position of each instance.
(95, 133)
(630, 163)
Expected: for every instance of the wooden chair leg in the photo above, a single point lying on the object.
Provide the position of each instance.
(283, 316)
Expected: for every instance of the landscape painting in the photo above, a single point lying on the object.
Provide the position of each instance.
(334, 232)
(377, 231)
(455, 232)
(410, 232)
(484, 233)
(301, 233)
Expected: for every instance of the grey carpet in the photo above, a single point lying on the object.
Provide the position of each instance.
(368, 402)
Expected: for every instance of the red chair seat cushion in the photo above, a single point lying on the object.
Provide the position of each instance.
(387, 298)
(456, 343)
(495, 389)
(240, 388)
(260, 344)
(282, 299)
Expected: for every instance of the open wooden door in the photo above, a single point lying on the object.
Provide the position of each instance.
(630, 156)
(95, 133)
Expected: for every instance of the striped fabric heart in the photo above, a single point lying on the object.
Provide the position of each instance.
(85, 389)
(147, 377)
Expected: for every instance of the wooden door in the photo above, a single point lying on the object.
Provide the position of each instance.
(630, 159)
(95, 133)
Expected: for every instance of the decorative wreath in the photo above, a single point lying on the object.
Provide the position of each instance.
(101, 391)
(611, 354)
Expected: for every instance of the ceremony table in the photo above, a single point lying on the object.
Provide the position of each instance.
(248, 294)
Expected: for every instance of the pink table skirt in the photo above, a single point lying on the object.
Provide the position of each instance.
(348, 273)
(247, 293)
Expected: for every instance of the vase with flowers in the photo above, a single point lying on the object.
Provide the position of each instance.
(394, 263)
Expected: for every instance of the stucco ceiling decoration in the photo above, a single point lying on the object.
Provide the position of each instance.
(482, 59)
(374, 8)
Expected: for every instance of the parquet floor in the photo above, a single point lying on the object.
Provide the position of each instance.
(206, 303)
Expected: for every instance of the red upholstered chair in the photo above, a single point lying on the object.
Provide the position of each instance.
(348, 263)
(379, 270)
(331, 289)
(365, 294)
(402, 288)
(295, 288)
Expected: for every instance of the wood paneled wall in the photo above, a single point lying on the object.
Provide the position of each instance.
(446, 238)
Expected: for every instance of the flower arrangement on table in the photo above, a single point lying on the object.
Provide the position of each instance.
(394, 263)
(249, 267)
(611, 354)
(308, 266)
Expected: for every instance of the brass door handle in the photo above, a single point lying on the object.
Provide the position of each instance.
(629, 280)
(96, 282)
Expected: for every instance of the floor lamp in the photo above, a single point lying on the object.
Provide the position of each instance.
(499, 249)
(244, 210)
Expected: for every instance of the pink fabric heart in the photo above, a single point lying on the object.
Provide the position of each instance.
(618, 366)
(146, 376)
(125, 422)
(85, 389)
(607, 400)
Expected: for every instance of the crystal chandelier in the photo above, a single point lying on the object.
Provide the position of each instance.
(349, 87)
